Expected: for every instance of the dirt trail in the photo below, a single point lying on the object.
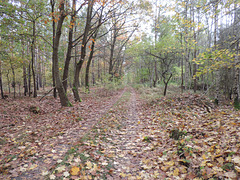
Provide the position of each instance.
(126, 138)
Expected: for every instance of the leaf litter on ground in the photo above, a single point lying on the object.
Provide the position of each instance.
(180, 137)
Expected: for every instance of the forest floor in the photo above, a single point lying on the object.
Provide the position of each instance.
(122, 134)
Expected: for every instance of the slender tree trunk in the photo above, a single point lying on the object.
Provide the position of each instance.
(99, 73)
(8, 80)
(14, 78)
(194, 57)
(89, 63)
(70, 43)
(24, 73)
(61, 92)
(155, 72)
(1, 84)
(236, 78)
(187, 68)
(93, 74)
(33, 60)
(215, 48)
(29, 79)
(112, 47)
(83, 52)
(166, 84)
(53, 38)
(182, 77)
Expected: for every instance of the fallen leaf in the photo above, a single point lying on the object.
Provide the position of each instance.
(75, 171)
(236, 160)
(122, 174)
(176, 172)
(52, 176)
(230, 174)
(66, 174)
(89, 165)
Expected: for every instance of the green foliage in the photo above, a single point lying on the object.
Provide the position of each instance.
(147, 139)
(236, 103)
(212, 60)
(228, 166)
(177, 134)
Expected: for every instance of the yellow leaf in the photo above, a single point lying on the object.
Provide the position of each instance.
(220, 160)
(209, 165)
(170, 163)
(176, 172)
(237, 169)
(122, 174)
(203, 163)
(139, 122)
(75, 171)
(204, 157)
(165, 168)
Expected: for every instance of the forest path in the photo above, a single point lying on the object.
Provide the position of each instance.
(111, 149)
(125, 139)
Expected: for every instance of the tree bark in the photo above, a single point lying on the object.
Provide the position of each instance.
(33, 59)
(89, 63)
(29, 79)
(83, 52)
(61, 92)
(53, 62)
(24, 73)
(215, 48)
(14, 78)
(236, 78)
(1, 85)
(69, 50)
(166, 84)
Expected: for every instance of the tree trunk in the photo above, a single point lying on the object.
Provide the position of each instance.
(25, 81)
(29, 79)
(24, 73)
(1, 85)
(236, 78)
(114, 38)
(76, 81)
(83, 52)
(215, 48)
(54, 34)
(93, 75)
(33, 59)
(182, 58)
(8, 80)
(194, 57)
(14, 78)
(61, 92)
(166, 84)
(69, 50)
(89, 62)
(156, 75)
